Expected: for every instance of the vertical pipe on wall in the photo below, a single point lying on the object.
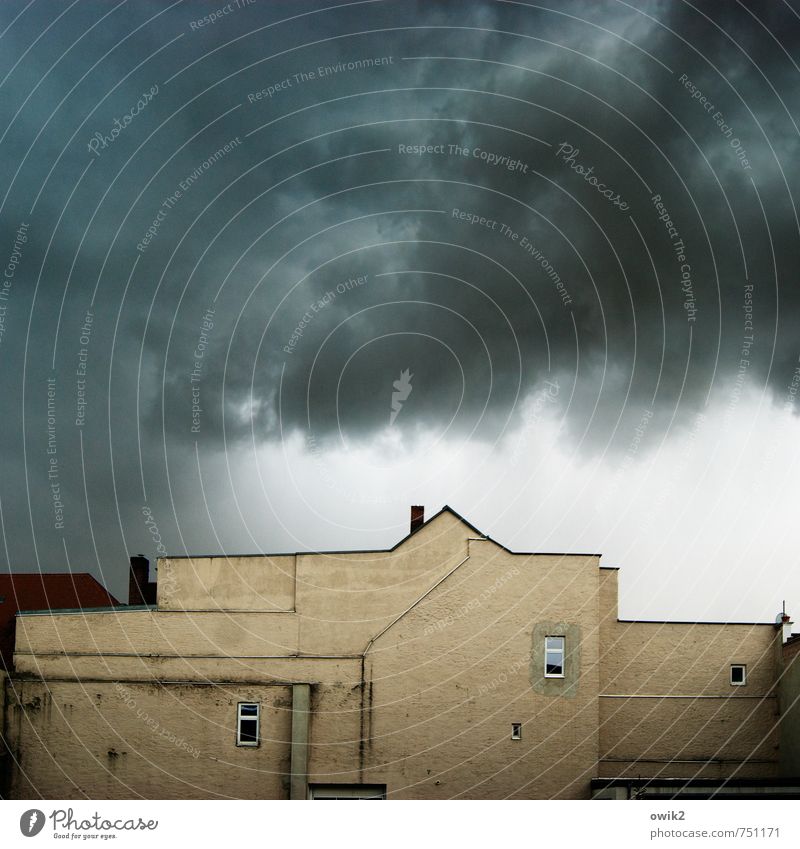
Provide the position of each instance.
(301, 713)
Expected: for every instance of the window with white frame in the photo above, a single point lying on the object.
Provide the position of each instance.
(247, 724)
(738, 674)
(554, 657)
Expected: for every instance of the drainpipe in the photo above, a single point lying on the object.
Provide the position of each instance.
(5, 751)
(301, 711)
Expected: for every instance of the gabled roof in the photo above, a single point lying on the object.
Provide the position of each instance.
(445, 509)
(45, 591)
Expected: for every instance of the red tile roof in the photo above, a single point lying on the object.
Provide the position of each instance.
(44, 591)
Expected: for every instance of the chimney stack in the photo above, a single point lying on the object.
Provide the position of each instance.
(417, 518)
(786, 627)
(138, 580)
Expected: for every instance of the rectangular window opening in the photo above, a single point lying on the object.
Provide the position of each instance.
(554, 657)
(516, 730)
(738, 674)
(247, 724)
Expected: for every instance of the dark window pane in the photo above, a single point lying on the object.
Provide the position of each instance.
(248, 710)
(248, 731)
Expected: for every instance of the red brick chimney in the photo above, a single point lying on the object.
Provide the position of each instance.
(417, 518)
(138, 582)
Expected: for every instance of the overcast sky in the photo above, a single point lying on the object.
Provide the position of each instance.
(275, 271)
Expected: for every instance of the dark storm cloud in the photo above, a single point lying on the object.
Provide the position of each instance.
(631, 330)
(277, 230)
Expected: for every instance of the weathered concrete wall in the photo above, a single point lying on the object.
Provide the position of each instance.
(226, 583)
(666, 696)
(276, 670)
(645, 737)
(104, 740)
(789, 706)
(656, 657)
(609, 596)
(342, 601)
(168, 740)
(150, 632)
(448, 680)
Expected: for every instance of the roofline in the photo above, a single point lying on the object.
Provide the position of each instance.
(12, 574)
(224, 556)
(550, 553)
(89, 575)
(696, 782)
(688, 622)
(123, 608)
(445, 509)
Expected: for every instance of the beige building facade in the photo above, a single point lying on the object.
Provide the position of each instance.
(445, 667)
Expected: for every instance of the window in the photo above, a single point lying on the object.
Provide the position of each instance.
(554, 657)
(516, 730)
(738, 674)
(247, 724)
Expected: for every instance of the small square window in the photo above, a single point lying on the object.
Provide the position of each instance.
(738, 674)
(247, 724)
(516, 730)
(554, 657)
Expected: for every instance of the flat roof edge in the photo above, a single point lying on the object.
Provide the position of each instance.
(697, 782)
(378, 551)
(74, 611)
(688, 622)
